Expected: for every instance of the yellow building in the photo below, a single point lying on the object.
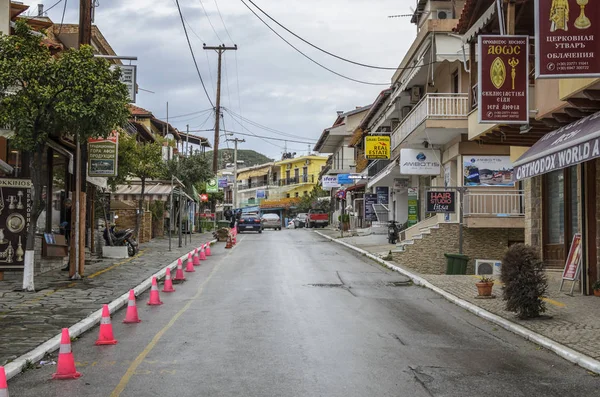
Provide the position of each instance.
(298, 176)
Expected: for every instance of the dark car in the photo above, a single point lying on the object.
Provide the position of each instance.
(249, 223)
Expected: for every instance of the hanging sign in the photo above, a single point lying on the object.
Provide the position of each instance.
(503, 88)
(344, 179)
(128, 77)
(223, 183)
(567, 38)
(571, 271)
(103, 155)
(420, 162)
(204, 197)
(15, 218)
(330, 182)
(370, 200)
(212, 185)
(377, 147)
(441, 202)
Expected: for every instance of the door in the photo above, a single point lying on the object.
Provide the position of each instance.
(591, 223)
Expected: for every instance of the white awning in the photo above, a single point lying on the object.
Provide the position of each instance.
(448, 48)
(480, 24)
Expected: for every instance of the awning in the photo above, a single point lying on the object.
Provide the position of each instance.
(448, 48)
(480, 24)
(154, 191)
(253, 173)
(567, 146)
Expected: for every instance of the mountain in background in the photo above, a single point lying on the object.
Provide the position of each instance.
(249, 157)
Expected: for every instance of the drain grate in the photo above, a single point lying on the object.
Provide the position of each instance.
(399, 284)
(327, 285)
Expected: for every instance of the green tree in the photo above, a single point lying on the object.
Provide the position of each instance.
(312, 200)
(41, 96)
(193, 171)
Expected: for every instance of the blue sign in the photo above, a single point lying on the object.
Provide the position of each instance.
(383, 194)
(260, 194)
(344, 179)
(222, 183)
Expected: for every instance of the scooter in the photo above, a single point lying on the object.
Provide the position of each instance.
(121, 238)
(393, 232)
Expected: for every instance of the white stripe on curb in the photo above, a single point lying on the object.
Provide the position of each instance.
(15, 367)
(565, 352)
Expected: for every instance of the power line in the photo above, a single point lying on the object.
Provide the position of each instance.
(205, 121)
(271, 138)
(187, 114)
(317, 47)
(62, 19)
(53, 5)
(192, 52)
(260, 126)
(309, 58)
(210, 23)
(223, 22)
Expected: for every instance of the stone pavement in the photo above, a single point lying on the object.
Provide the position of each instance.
(28, 319)
(573, 321)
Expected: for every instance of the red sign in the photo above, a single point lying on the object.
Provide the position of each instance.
(573, 263)
(503, 79)
(567, 43)
(204, 197)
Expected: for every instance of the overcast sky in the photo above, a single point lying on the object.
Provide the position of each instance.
(278, 88)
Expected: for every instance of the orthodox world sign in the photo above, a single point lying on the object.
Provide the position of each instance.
(503, 69)
(15, 217)
(567, 42)
(377, 147)
(444, 202)
(103, 155)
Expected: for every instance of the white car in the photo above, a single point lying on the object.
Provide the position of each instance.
(271, 221)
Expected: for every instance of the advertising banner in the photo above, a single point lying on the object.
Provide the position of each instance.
(420, 162)
(330, 182)
(377, 147)
(383, 195)
(370, 199)
(261, 194)
(212, 185)
(128, 77)
(503, 69)
(222, 183)
(441, 202)
(571, 271)
(487, 171)
(344, 179)
(567, 44)
(413, 206)
(15, 217)
(103, 156)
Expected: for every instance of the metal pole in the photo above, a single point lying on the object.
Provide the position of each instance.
(235, 174)
(187, 143)
(75, 262)
(180, 215)
(460, 221)
(170, 213)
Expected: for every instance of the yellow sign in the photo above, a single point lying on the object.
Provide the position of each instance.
(377, 147)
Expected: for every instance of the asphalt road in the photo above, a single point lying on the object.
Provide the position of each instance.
(286, 313)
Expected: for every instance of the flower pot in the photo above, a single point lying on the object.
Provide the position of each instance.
(484, 289)
(597, 292)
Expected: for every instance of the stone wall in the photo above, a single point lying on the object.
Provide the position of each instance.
(43, 265)
(127, 220)
(426, 255)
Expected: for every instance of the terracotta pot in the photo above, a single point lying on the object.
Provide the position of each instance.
(597, 292)
(484, 289)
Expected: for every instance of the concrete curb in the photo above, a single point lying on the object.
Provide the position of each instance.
(565, 352)
(15, 367)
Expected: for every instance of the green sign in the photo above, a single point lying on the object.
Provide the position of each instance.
(413, 206)
(212, 186)
(103, 155)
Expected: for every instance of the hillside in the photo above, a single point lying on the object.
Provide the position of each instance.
(250, 157)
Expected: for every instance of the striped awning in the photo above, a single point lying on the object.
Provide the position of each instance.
(154, 192)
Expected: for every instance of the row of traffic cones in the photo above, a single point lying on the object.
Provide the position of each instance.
(66, 362)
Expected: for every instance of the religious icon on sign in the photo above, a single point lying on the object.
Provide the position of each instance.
(498, 73)
(559, 15)
(513, 62)
(582, 22)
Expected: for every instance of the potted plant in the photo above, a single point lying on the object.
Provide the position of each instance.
(484, 286)
(596, 288)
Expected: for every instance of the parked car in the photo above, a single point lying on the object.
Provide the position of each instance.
(271, 221)
(317, 218)
(300, 220)
(249, 223)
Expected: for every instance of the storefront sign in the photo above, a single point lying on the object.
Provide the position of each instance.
(377, 147)
(223, 183)
(261, 194)
(212, 185)
(204, 197)
(441, 202)
(344, 179)
(383, 195)
(330, 182)
(15, 218)
(567, 146)
(567, 38)
(571, 271)
(370, 200)
(103, 155)
(487, 171)
(128, 77)
(503, 69)
(413, 206)
(420, 162)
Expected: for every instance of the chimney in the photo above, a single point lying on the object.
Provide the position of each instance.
(40, 10)
(340, 112)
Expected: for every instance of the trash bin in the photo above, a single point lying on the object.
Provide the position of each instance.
(456, 263)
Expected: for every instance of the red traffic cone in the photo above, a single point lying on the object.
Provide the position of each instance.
(65, 369)
(228, 245)
(3, 383)
(132, 314)
(106, 332)
(208, 249)
(189, 267)
(196, 258)
(168, 283)
(234, 239)
(154, 296)
(202, 254)
(179, 276)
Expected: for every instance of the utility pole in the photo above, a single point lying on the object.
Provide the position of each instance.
(235, 150)
(220, 50)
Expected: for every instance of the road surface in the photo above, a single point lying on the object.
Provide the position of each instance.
(287, 313)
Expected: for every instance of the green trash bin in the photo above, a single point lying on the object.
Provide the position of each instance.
(456, 263)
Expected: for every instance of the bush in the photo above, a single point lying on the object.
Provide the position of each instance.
(525, 282)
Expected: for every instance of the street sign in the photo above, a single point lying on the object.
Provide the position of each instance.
(344, 179)
(222, 183)
(129, 78)
(103, 156)
(503, 88)
(440, 202)
(212, 185)
(377, 147)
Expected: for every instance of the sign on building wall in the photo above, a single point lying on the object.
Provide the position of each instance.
(128, 77)
(330, 182)
(377, 147)
(370, 200)
(223, 183)
(212, 185)
(420, 162)
(567, 38)
(103, 156)
(344, 179)
(487, 171)
(413, 206)
(261, 194)
(440, 202)
(15, 217)
(503, 69)
(383, 195)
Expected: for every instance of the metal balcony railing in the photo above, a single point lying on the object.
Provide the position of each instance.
(377, 166)
(495, 203)
(297, 180)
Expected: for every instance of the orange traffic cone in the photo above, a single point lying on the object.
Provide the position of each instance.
(229, 245)
(202, 254)
(132, 314)
(3, 384)
(189, 267)
(208, 249)
(65, 368)
(154, 296)
(179, 276)
(168, 283)
(196, 258)
(106, 332)
(234, 239)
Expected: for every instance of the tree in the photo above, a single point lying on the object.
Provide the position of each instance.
(41, 96)
(192, 171)
(312, 200)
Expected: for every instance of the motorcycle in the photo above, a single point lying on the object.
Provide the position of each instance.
(121, 238)
(393, 232)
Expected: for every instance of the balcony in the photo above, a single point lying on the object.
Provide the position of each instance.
(376, 167)
(494, 208)
(253, 185)
(297, 180)
(437, 118)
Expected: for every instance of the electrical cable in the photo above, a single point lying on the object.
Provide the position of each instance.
(53, 5)
(253, 134)
(262, 127)
(192, 52)
(205, 121)
(271, 138)
(209, 22)
(309, 58)
(222, 21)
(187, 114)
(62, 19)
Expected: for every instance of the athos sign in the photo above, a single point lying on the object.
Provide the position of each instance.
(419, 162)
(377, 147)
(503, 69)
(567, 42)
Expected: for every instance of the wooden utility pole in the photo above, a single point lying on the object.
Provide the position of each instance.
(220, 50)
(510, 17)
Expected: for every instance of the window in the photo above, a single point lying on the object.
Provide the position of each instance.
(296, 194)
(305, 193)
(287, 195)
(296, 175)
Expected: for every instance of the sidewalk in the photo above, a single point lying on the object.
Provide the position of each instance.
(30, 319)
(574, 322)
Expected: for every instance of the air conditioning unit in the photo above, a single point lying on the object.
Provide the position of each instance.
(487, 267)
(443, 14)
